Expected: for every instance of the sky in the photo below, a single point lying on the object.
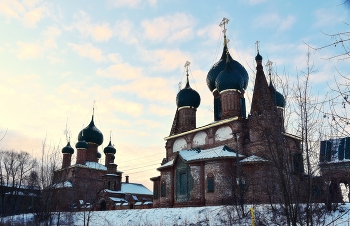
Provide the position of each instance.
(126, 58)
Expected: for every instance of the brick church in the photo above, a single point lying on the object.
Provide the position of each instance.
(89, 184)
(228, 160)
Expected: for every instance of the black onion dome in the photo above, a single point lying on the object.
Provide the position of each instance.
(81, 144)
(278, 98)
(67, 149)
(109, 149)
(91, 134)
(258, 57)
(98, 155)
(229, 78)
(220, 66)
(188, 97)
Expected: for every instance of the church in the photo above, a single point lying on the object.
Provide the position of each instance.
(87, 184)
(229, 160)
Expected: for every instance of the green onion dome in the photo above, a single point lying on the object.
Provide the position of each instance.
(109, 149)
(219, 66)
(277, 97)
(67, 149)
(91, 134)
(98, 155)
(188, 97)
(229, 78)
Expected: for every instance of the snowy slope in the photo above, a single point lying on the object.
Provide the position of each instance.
(213, 215)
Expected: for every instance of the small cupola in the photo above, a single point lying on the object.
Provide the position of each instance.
(68, 149)
(188, 97)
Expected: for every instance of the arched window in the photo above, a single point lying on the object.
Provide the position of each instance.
(210, 182)
(163, 189)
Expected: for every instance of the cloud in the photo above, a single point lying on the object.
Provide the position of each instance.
(211, 33)
(115, 57)
(152, 89)
(127, 107)
(274, 20)
(29, 50)
(121, 71)
(99, 32)
(172, 28)
(166, 59)
(161, 111)
(89, 51)
(32, 17)
(329, 17)
(125, 31)
(256, 2)
(28, 13)
(130, 3)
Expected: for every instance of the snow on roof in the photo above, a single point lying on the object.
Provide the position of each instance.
(170, 163)
(148, 203)
(138, 203)
(20, 193)
(117, 199)
(134, 197)
(125, 204)
(253, 158)
(65, 184)
(133, 188)
(94, 165)
(212, 153)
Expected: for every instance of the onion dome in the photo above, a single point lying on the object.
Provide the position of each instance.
(81, 144)
(229, 78)
(258, 57)
(277, 97)
(109, 149)
(91, 134)
(67, 149)
(220, 66)
(188, 97)
(98, 155)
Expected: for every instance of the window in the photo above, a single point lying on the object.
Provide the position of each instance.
(155, 193)
(109, 184)
(183, 184)
(210, 181)
(163, 189)
(210, 184)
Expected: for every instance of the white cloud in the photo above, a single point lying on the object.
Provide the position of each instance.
(125, 31)
(130, 3)
(29, 50)
(176, 27)
(127, 107)
(115, 57)
(329, 17)
(122, 71)
(211, 33)
(152, 89)
(29, 14)
(162, 111)
(89, 51)
(255, 2)
(274, 20)
(32, 17)
(99, 32)
(165, 59)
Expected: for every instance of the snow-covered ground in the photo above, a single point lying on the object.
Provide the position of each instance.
(213, 215)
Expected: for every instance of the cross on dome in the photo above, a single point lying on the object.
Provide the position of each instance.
(269, 66)
(223, 24)
(257, 46)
